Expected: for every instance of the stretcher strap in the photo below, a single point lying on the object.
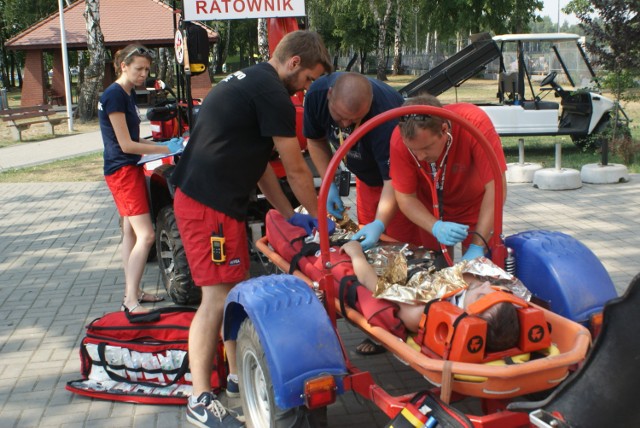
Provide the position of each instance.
(447, 380)
(347, 293)
(306, 250)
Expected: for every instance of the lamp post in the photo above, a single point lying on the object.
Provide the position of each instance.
(558, 16)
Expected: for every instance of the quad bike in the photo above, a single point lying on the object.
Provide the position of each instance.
(169, 119)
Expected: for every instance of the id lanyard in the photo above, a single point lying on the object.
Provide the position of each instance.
(436, 185)
(341, 139)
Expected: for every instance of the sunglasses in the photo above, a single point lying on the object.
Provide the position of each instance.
(141, 52)
(415, 117)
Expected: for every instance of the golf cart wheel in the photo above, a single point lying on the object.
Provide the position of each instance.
(172, 260)
(601, 133)
(258, 401)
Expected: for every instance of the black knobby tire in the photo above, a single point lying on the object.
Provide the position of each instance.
(172, 260)
(258, 402)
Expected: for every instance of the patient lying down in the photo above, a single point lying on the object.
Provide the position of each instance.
(503, 330)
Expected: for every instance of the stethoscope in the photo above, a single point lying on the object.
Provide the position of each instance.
(436, 185)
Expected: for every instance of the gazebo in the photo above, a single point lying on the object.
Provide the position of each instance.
(149, 22)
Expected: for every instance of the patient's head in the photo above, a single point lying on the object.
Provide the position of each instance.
(503, 327)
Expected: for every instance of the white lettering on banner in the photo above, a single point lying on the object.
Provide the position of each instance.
(201, 10)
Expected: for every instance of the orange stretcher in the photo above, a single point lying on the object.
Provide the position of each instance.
(570, 344)
(488, 381)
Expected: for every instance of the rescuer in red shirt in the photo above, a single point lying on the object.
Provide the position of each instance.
(429, 156)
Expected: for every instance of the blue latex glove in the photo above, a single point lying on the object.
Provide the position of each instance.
(331, 226)
(335, 206)
(449, 233)
(371, 233)
(166, 143)
(305, 221)
(175, 144)
(474, 251)
(308, 223)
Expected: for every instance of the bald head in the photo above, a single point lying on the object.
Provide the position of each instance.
(353, 90)
(350, 98)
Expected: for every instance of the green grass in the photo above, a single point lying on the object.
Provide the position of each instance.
(82, 168)
(542, 150)
(536, 150)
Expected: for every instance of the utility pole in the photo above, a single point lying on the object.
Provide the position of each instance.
(558, 16)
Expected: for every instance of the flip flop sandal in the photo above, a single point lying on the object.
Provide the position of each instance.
(149, 298)
(132, 309)
(375, 347)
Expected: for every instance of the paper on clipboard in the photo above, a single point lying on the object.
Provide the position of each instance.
(157, 156)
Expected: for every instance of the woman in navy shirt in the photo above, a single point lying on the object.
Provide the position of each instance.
(120, 127)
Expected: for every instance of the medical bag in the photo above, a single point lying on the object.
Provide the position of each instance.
(141, 358)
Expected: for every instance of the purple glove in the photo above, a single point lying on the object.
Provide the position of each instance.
(304, 221)
(308, 223)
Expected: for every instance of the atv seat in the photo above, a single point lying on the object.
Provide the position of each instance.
(603, 391)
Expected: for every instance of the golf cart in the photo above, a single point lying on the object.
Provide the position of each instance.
(529, 68)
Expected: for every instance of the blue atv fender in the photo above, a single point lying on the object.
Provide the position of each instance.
(295, 332)
(560, 270)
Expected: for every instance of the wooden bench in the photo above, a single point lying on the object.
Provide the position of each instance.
(21, 118)
(54, 97)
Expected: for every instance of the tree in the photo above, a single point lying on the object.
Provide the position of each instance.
(612, 28)
(16, 16)
(449, 17)
(397, 40)
(381, 17)
(263, 40)
(345, 25)
(94, 72)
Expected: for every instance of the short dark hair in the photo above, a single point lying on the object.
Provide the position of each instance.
(308, 45)
(503, 327)
(409, 125)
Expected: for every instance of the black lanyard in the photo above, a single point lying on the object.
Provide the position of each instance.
(436, 180)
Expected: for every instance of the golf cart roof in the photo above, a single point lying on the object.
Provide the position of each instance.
(536, 37)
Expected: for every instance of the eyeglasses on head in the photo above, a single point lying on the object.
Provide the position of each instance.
(415, 117)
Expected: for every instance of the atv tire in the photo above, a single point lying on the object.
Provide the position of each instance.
(172, 260)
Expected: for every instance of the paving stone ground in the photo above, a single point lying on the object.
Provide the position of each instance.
(60, 268)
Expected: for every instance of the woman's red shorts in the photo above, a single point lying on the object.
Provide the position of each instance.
(129, 189)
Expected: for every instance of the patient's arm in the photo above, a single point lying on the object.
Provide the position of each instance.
(365, 273)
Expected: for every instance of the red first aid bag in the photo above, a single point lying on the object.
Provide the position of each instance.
(141, 358)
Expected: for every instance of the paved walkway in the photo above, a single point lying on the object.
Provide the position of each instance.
(64, 147)
(60, 268)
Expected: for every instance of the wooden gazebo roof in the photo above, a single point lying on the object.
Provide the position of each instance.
(149, 22)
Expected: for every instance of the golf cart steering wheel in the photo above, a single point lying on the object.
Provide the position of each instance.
(548, 79)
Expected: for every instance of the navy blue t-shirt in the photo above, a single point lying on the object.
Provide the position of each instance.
(115, 99)
(369, 158)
